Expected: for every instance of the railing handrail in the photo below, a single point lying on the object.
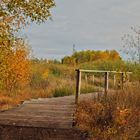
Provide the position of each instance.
(106, 83)
(100, 71)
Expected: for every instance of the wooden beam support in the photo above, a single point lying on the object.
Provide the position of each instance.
(106, 83)
(93, 79)
(114, 80)
(86, 77)
(78, 85)
(122, 80)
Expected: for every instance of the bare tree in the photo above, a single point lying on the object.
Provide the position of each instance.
(132, 44)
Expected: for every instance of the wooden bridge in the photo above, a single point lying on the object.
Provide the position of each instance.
(106, 79)
(42, 119)
(46, 119)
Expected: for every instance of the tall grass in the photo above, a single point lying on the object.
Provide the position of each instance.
(116, 117)
(56, 79)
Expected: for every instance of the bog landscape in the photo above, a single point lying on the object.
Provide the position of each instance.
(90, 94)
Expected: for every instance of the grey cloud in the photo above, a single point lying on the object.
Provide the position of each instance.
(90, 24)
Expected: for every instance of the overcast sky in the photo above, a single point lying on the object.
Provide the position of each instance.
(89, 24)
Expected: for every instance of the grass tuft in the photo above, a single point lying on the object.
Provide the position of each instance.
(117, 117)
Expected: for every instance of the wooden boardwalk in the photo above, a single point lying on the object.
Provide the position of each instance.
(48, 113)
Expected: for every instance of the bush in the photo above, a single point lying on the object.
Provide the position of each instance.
(112, 118)
(63, 91)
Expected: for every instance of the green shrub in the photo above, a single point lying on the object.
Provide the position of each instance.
(63, 91)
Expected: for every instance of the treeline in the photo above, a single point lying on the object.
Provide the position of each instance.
(91, 56)
(14, 55)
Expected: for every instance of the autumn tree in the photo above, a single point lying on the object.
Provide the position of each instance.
(91, 56)
(69, 60)
(6, 41)
(15, 14)
(18, 73)
(22, 11)
(131, 44)
(114, 55)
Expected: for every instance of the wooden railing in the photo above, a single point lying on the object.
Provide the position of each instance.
(106, 80)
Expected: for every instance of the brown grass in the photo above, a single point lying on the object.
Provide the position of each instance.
(114, 118)
(10, 100)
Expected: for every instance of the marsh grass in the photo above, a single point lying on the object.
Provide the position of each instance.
(54, 80)
(116, 117)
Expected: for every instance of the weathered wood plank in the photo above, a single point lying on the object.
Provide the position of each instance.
(48, 113)
(31, 116)
(38, 123)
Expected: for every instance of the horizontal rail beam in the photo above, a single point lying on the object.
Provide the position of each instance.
(106, 82)
(100, 71)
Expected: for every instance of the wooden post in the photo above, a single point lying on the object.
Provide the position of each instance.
(78, 85)
(128, 78)
(122, 80)
(114, 82)
(93, 78)
(106, 83)
(86, 77)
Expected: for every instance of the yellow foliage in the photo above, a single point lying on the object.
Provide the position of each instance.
(19, 68)
(45, 74)
(14, 66)
(122, 116)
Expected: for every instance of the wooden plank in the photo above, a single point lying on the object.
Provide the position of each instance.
(39, 123)
(35, 117)
(66, 102)
(43, 115)
(49, 112)
(47, 108)
(60, 115)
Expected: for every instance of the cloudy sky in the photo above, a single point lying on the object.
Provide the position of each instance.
(89, 24)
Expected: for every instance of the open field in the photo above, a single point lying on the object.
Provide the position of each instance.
(99, 118)
(55, 80)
